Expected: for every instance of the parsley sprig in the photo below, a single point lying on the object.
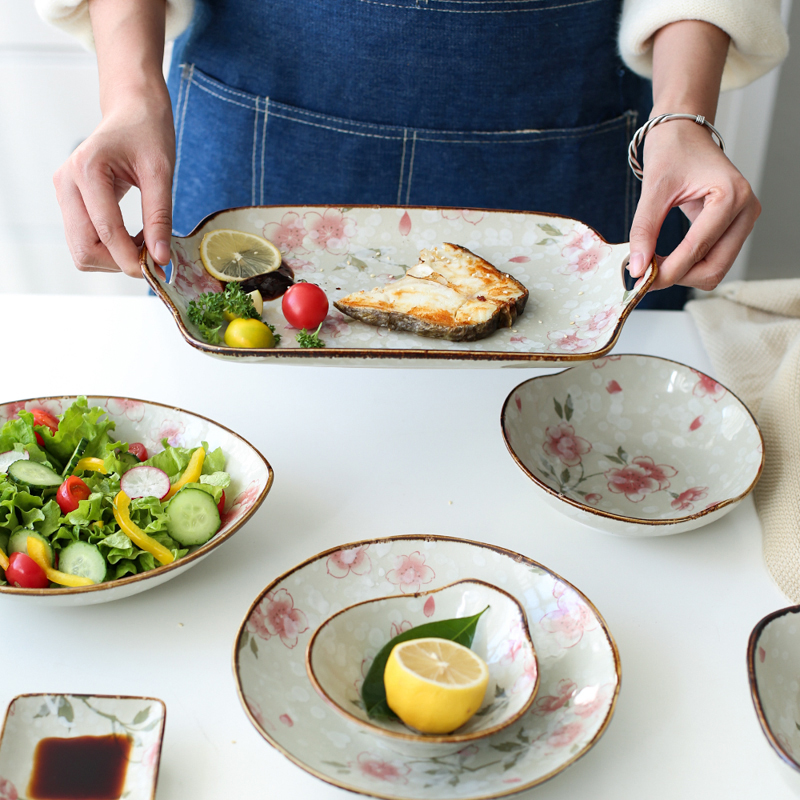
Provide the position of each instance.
(207, 311)
(306, 339)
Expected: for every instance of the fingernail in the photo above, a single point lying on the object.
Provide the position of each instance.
(161, 253)
(636, 265)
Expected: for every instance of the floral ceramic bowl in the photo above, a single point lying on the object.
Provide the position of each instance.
(578, 669)
(67, 719)
(150, 423)
(341, 650)
(773, 655)
(578, 299)
(634, 445)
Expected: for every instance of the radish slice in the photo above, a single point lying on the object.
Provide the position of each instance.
(9, 457)
(145, 481)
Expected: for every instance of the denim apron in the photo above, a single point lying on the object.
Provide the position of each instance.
(509, 104)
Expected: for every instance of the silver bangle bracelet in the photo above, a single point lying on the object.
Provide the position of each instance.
(638, 137)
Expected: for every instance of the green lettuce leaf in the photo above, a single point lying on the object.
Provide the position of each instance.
(79, 422)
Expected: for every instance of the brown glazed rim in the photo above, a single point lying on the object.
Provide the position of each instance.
(752, 648)
(334, 353)
(618, 517)
(103, 697)
(419, 737)
(201, 551)
(426, 538)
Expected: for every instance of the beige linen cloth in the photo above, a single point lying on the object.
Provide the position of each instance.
(751, 330)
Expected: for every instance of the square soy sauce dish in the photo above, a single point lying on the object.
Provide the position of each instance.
(92, 747)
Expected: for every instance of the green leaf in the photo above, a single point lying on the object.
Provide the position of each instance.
(568, 408)
(615, 460)
(559, 410)
(373, 692)
(547, 228)
(546, 241)
(254, 647)
(507, 747)
(565, 475)
(65, 710)
(141, 716)
(306, 339)
(244, 640)
(622, 454)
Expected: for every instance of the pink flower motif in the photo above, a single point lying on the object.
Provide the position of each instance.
(530, 670)
(569, 341)
(659, 472)
(639, 478)
(569, 621)
(7, 790)
(520, 259)
(467, 214)
(405, 224)
(410, 572)
(150, 756)
(341, 563)
(330, 231)
(10, 410)
(132, 409)
(276, 615)
(191, 279)
(430, 607)
(518, 402)
(562, 443)
(520, 339)
(584, 252)
(298, 265)
(762, 654)
(396, 629)
(288, 234)
(593, 498)
(697, 422)
(565, 734)
(468, 752)
(375, 767)
(286, 720)
(708, 387)
(172, 431)
(590, 700)
(612, 387)
(242, 503)
(552, 702)
(601, 321)
(335, 327)
(685, 500)
(602, 362)
(258, 716)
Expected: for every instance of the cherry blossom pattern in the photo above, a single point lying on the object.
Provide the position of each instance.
(399, 627)
(584, 252)
(132, 409)
(762, 654)
(697, 423)
(593, 498)
(373, 766)
(429, 609)
(286, 720)
(685, 500)
(565, 734)
(600, 322)
(191, 279)
(568, 341)
(612, 387)
(518, 402)
(7, 790)
(547, 704)
(589, 700)
(150, 756)
(570, 619)
(355, 559)
(404, 227)
(467, 214)
(330, 231)
(708, 387)
(241, 504)
(602, 362)
(528, 678)
(640, 477)
(563, 443)
(410, 572)
(276, 615)
(287, 235)
(172, 430)
(258, 716)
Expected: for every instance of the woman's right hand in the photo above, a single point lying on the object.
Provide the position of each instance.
(134, 145)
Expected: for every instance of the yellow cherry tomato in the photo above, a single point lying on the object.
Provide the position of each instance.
(248, 333)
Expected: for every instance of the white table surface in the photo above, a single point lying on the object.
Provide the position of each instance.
(429, 459)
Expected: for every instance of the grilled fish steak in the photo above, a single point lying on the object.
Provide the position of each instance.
(450, 294)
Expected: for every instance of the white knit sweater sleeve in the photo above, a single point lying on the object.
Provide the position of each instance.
(758, 38)
(72, 17)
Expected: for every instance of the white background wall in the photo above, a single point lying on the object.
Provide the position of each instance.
(49, 103)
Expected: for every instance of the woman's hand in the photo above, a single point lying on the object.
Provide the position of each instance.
(134, 145)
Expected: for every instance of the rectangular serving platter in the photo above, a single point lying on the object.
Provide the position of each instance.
(577, 305)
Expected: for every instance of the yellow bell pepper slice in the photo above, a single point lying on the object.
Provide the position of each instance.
(38, 552)
(122, 515)
(3, 560)
(91, 465)
(191, 474)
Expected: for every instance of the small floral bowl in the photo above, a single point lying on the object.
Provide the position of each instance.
(773, 655)
(32, 718)
(341, 650)
(634, 445)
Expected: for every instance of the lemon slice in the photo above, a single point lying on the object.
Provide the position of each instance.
(235, 255)
(434, 685)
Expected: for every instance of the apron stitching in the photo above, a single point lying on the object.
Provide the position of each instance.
(263, 145)
(222, 87)
(411, 165)
(221, 97)
(255, 148)
(402, 167)
(182, 115)
(331, 128)
(498, 11)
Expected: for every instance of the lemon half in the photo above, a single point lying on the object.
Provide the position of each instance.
(236, 255)
(434, 685)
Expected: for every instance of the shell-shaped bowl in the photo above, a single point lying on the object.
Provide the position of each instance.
(342, 648)
(634, 445)
(148, 422)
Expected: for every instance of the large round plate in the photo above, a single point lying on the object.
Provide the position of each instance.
(578, 661)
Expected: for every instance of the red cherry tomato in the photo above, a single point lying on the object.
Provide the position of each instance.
(221, 504)
(44, 418)
(139, 450)
(70, 493)
(304, 305)
(25, 573)
(39, 439)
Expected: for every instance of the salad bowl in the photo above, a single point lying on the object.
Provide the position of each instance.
(634, 445)
(151, 424)
(341, 650)
(773, 655)
(32, 718)
(578, 669)
(577, 305)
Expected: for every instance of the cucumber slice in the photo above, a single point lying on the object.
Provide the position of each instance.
(76, 456)
(18, 542)
(10, 456)
(33, 473)
(84, 559)
(192, 517)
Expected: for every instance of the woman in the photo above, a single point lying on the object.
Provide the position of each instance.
(516, 104)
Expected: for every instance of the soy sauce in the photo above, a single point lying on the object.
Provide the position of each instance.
(81, 768)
